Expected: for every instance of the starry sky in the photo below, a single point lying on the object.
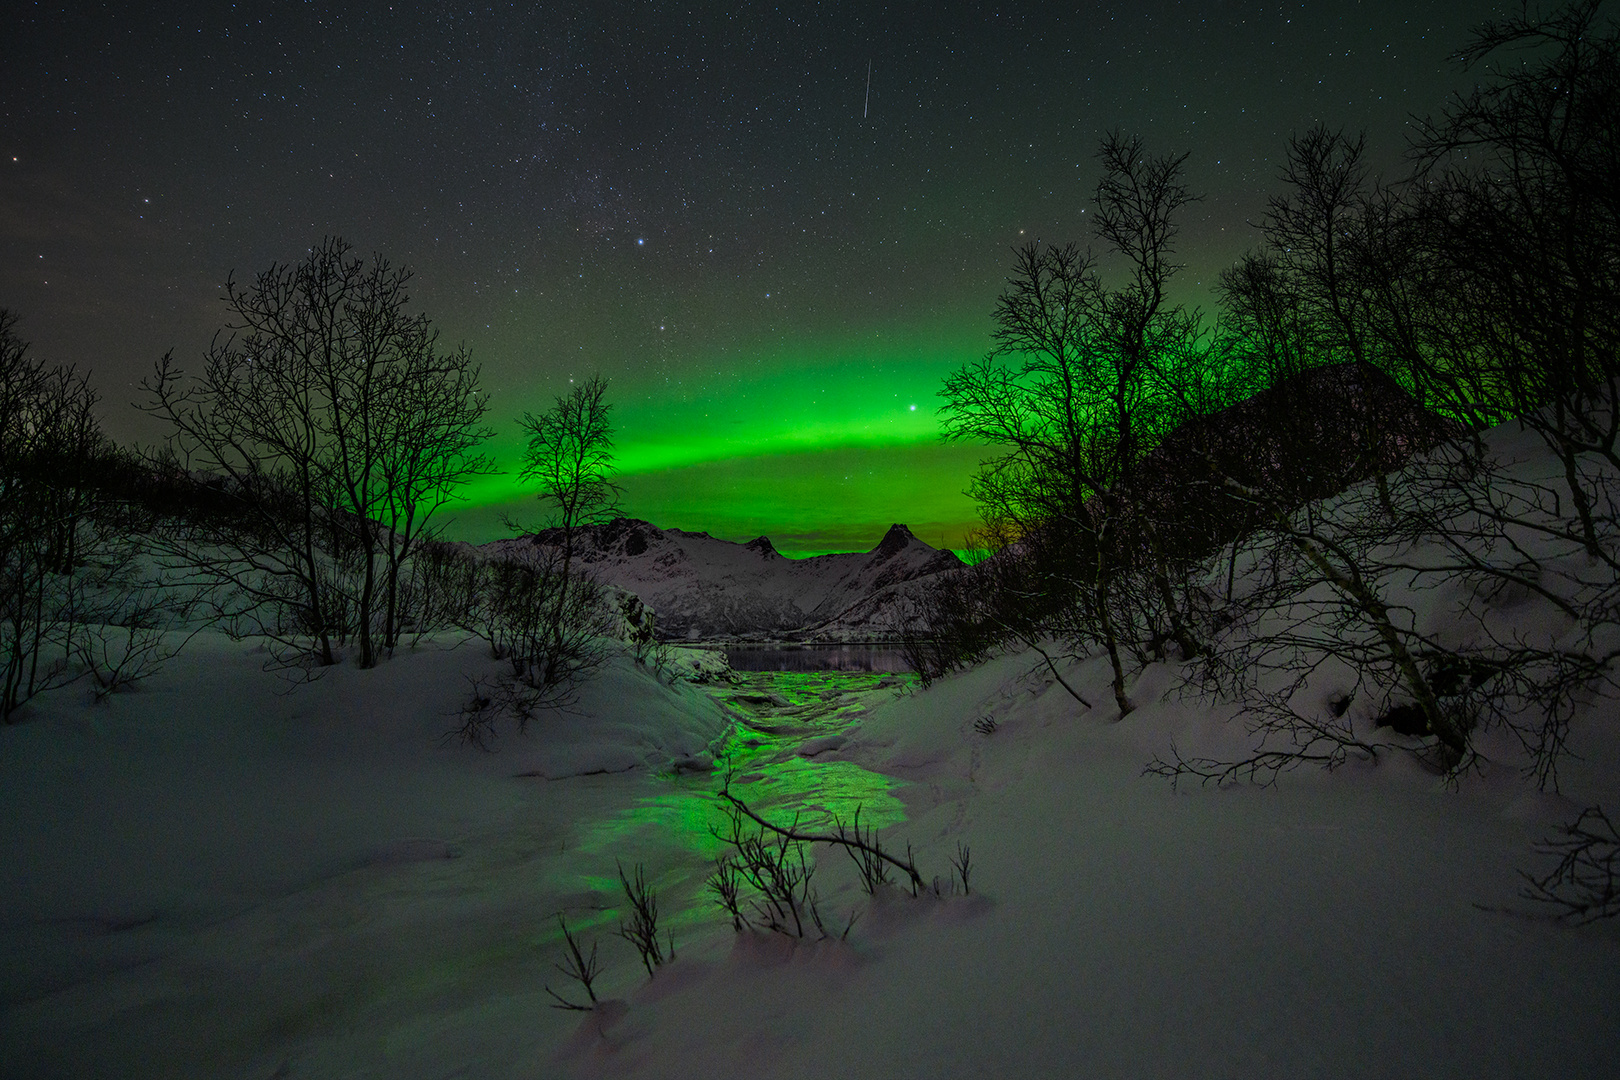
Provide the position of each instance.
(774, 228)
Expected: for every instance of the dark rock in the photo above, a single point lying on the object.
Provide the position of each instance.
(1405, 720)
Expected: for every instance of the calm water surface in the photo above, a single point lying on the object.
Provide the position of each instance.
(880, 658)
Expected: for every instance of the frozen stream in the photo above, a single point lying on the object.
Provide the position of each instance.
(301, 897)
(785, 723)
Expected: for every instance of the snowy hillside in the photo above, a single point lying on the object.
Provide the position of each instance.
(706, 589)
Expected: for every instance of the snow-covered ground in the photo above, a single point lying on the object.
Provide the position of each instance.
(1331, 926)
(196, 872)
(222, 875)
(215, 876)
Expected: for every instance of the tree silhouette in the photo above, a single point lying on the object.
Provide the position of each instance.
(1074, 393)
(569, 454)
(49, 445)
(337, 427)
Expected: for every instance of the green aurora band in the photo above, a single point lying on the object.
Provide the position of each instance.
(822, 451)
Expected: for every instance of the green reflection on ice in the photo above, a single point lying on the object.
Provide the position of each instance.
(776, 714)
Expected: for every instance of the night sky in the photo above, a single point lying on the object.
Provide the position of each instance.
(774, 265)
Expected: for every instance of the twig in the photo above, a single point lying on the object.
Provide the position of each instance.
(963, 863)
(866, 853)
(1586, 882)
(843, 839)
(580, 968)
(642, 930)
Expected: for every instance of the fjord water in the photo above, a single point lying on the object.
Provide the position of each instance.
(808, 658)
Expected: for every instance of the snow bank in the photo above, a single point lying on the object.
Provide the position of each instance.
(218, 877)
(219, 787)
(1360, 923)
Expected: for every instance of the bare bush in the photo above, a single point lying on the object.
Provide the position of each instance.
(129, 615)
(66, 540)
(547, 647)
(778, 870)
(764, 881)
(1521, 631)
(549, 626)
(1584, 886)
(642, 929)
(773, 861)
(579, 967)
(963, 865)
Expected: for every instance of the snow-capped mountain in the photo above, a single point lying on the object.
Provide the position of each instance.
(702, 588)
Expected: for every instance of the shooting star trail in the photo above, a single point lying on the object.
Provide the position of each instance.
(865, 108)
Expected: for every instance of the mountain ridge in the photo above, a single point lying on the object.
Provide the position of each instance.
(704, 588)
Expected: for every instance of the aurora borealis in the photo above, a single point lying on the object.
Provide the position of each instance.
(699, 201)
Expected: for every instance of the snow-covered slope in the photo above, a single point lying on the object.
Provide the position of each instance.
(702, 588)
(1356, 924)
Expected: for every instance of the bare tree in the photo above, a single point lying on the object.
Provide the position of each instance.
(49, 445)
(1270, 336)
(338, 427)
(570, 456)
(74, 596)
(1074, 394)
(1308, 231)
(1489, 289)
(430, 426)
(535, 608)
(1525, 217)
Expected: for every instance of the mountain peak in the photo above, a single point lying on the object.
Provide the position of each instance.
(894, 541)
(763, 545)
